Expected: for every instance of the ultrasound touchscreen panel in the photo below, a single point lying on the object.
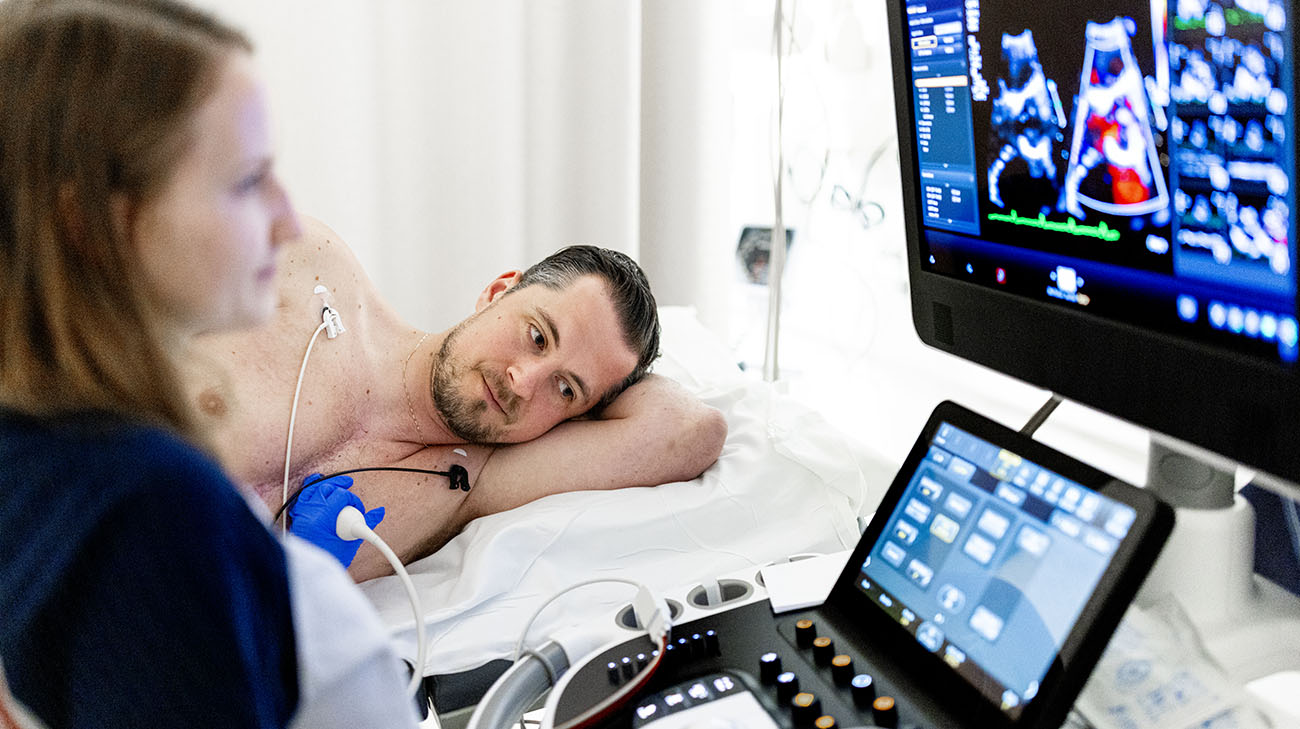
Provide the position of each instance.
(988, 559)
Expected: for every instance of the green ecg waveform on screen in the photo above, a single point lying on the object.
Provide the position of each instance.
(1070, 226)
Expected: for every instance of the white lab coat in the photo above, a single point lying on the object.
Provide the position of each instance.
(348, 674)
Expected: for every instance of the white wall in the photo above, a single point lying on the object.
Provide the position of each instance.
(450, 141)
(447, 141)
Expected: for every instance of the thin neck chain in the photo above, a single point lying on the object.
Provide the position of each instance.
(410, 408)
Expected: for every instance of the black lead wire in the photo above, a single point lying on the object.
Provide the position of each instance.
(457, 475)
(1039, 417)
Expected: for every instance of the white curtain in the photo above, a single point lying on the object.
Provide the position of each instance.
(447, 142)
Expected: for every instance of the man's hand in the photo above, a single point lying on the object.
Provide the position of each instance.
(316, 512)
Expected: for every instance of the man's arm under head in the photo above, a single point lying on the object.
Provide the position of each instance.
(655, 432)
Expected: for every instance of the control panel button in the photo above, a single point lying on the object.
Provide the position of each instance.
(769, 667)
(805, 708)
(711, 643)
(675, 700)
(842, 669)
(787, 685)
(698, 648)
(804, 632)
(863, 688)
(823, 650)
(885, 712)
(825, 721)
(718, 701)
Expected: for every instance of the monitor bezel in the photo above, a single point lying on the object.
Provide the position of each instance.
(1241, 407)
(1098, 619)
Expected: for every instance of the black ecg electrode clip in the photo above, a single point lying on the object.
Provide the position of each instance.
(458, 477)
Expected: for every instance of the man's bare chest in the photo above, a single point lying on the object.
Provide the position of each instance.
(424, 506)
(260, 424)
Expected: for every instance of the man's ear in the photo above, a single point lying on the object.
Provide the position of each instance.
(499, 285)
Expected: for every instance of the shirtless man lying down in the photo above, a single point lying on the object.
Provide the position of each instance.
(542, 390)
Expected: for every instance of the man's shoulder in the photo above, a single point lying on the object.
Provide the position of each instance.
(243, 382)
(316, 268)
(318, 250)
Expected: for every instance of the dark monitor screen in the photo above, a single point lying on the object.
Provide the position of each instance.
(1099, 200)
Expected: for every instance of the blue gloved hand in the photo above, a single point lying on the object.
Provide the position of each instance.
(316, 512)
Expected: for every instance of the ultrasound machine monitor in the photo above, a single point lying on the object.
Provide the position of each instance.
(1098, 200)
(980, 597)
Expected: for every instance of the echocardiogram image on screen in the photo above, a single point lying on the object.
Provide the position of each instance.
(1132, 160)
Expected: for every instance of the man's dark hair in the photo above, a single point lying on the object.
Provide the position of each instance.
(634, 303)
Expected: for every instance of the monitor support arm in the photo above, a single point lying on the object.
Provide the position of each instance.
(1249, 625)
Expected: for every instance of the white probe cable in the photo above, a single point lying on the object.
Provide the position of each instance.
(655, 615)
(293, 415)
(351, 524)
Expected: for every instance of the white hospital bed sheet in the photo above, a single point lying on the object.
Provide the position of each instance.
(786, 483)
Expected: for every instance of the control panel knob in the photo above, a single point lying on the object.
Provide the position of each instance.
(863, 688)
(885, 712)
(787, 685)
(805, 708)
(804, 632)
(842, 669)
(769, 667)
(823, 650)
(698, 647)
